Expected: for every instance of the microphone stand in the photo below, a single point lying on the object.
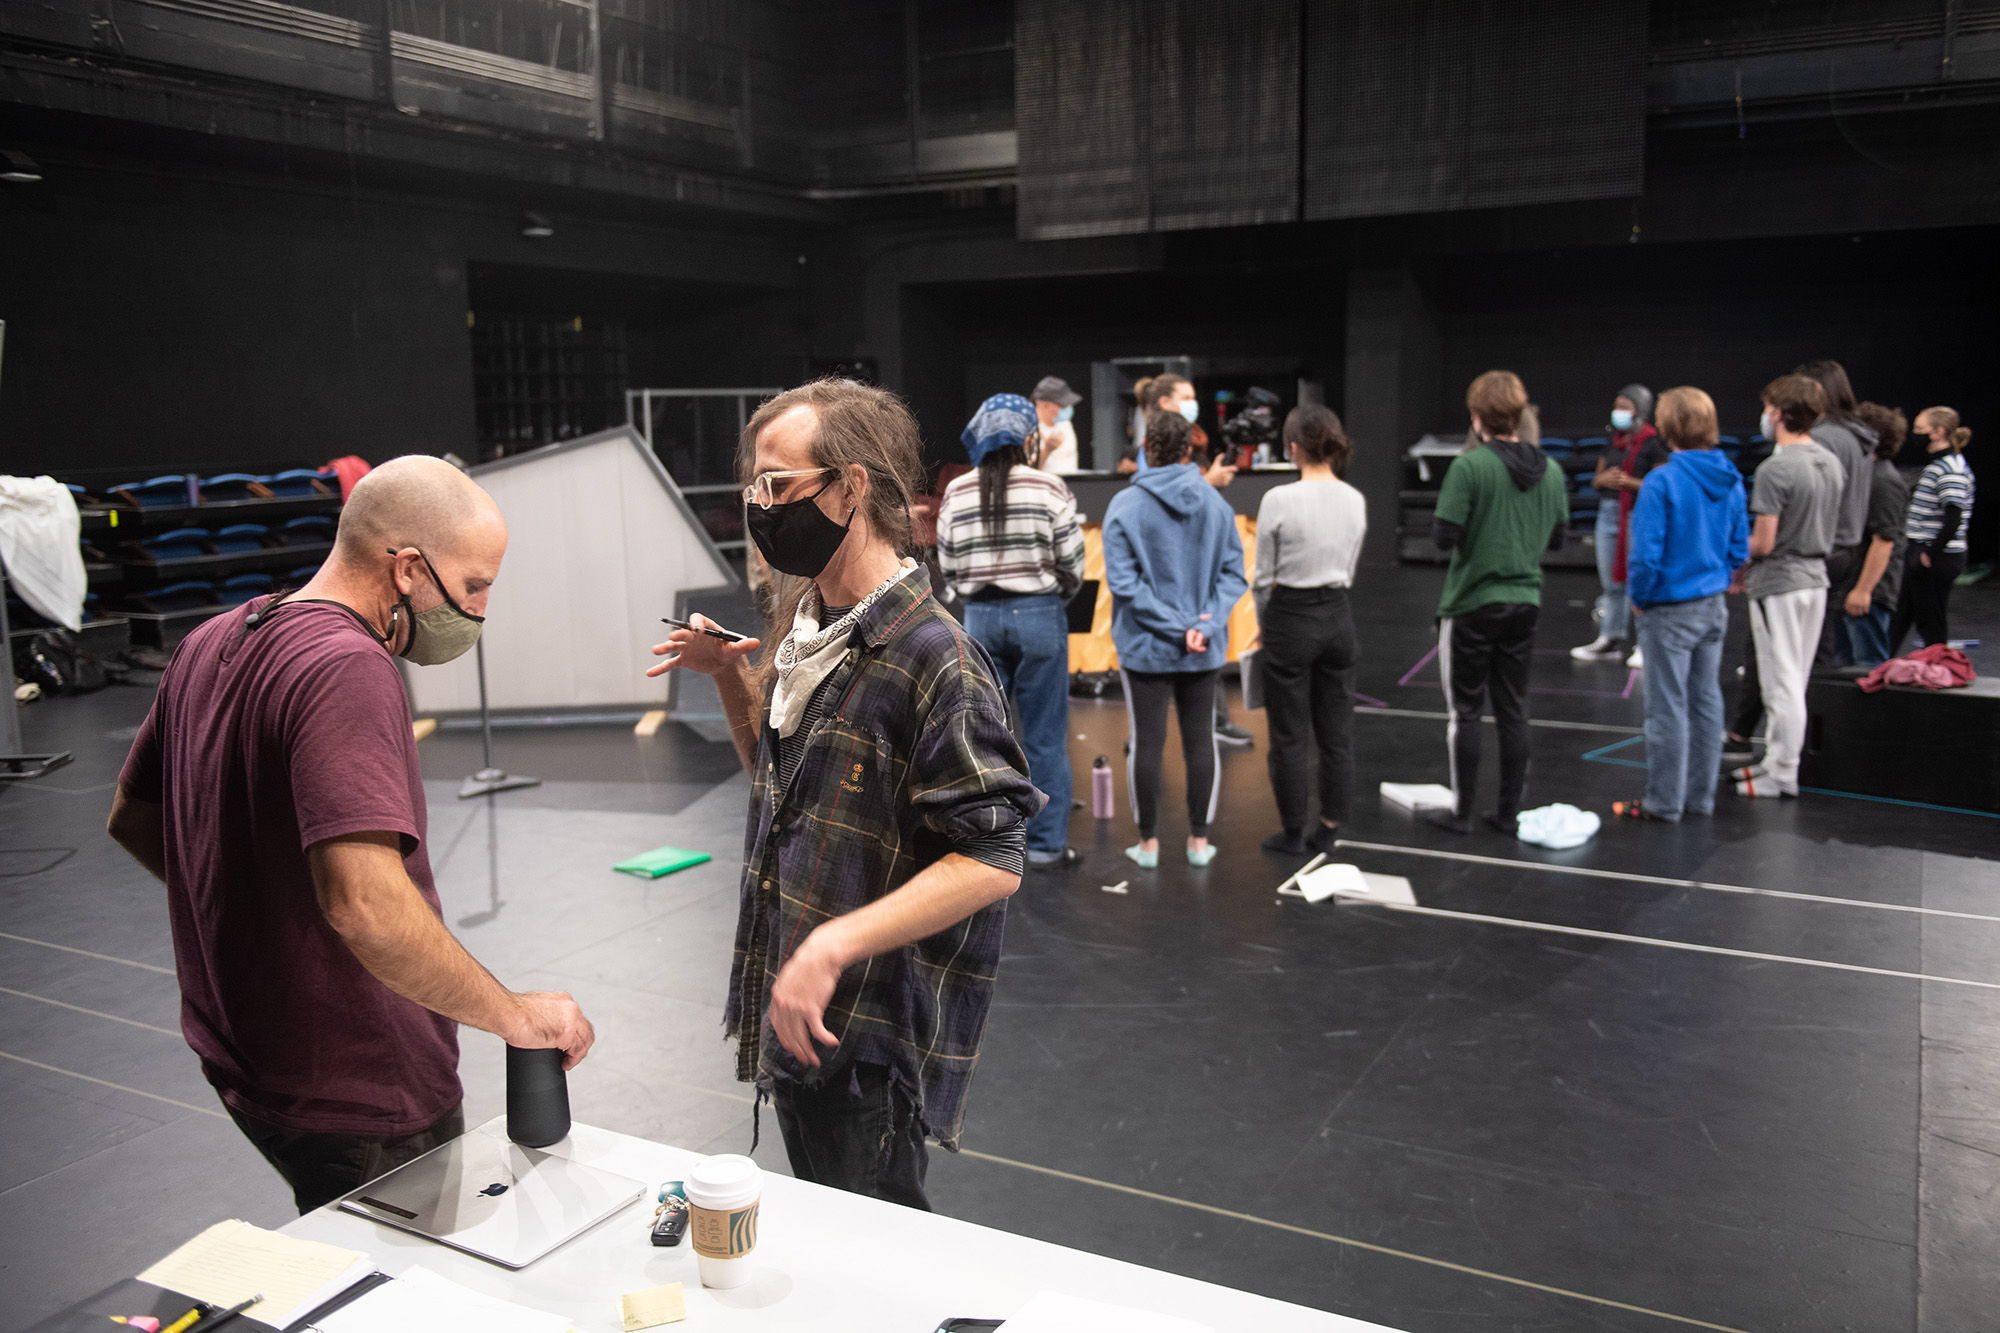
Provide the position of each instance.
(489, 779)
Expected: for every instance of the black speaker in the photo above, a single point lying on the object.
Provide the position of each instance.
(537, 1097)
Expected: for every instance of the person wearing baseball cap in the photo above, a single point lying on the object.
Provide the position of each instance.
(1055, 404)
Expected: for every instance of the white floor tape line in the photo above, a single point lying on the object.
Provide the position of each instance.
(1659, 879)
(1613, 935)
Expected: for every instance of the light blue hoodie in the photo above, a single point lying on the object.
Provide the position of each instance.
(1690, 529)
(1174, 562)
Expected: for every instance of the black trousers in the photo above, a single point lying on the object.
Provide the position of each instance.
(1843, 571)
(322, 1167)
(1749, 696)
(860, 1132)
(1192, 694)
(1308, 661)
(1484, 655)
(1922, 599)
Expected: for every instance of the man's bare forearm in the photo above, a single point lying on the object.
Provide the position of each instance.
(371, 903)
(140, 828)
(1874, 566)
(938, 897)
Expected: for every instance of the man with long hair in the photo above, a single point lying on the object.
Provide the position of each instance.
(888, 803)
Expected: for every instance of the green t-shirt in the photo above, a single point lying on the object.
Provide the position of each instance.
(1506, 531)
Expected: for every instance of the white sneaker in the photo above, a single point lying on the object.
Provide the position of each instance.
(1637, 659)
(1596, 650)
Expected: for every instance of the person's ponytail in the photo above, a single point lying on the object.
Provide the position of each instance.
(1956, 437)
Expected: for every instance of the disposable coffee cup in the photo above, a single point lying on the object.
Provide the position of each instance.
(723, 1193)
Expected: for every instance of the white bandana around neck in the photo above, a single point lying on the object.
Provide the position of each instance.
(809, 653)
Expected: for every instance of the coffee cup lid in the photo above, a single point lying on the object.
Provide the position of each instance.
(724, 1174)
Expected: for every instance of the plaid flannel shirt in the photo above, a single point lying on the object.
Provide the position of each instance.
(911, 753)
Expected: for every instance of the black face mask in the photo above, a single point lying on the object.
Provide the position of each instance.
(797, 538)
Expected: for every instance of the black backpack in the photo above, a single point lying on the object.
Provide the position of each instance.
(55, 660)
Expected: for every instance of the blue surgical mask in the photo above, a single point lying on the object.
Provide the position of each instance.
(1189, 408)
(1065, 415)
(1621, 419)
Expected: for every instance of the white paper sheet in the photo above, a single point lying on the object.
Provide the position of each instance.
(1053, 1312)
(419, 1301)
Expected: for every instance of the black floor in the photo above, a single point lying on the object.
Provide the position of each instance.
(1432, 1123)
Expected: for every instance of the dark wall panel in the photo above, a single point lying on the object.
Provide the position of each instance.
(1155, 117)
(163, 322)
(1415, 106)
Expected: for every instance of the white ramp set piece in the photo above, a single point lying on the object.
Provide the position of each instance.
(1316, 881)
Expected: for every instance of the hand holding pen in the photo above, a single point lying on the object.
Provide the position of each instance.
(699, 644)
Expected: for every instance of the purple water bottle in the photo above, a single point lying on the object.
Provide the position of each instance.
(1100, 788)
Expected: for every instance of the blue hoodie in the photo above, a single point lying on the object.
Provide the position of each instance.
(1174, 562)
(1690, 529)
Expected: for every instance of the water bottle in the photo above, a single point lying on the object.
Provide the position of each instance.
(1100, 788)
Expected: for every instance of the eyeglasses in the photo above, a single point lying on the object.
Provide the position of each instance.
(764, 490)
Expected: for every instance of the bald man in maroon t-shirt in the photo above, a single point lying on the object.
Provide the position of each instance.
(275, 789)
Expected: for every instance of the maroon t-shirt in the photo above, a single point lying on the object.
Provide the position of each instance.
(260, 744)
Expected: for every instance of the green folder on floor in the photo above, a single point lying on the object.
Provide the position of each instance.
(661, 861)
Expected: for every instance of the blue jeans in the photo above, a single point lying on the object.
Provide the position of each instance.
(1868, 636)
(1682, 642)
(1028, 640)
(1614, 612)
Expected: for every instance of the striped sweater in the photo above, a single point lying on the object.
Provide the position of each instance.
(1038, 550)
(1947, 480)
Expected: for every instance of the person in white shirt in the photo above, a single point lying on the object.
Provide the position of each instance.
(1055, 404)
(1309, 537)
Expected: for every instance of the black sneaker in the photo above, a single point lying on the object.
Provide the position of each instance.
(1288, 843)
(1501, 822)
(1322, 839)
(1447, 820)
(1062, 860)
(1738, 752)
(1231, 734)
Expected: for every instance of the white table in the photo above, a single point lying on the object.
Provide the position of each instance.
(826, 1260)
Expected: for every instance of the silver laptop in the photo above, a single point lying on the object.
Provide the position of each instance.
(492, 1198)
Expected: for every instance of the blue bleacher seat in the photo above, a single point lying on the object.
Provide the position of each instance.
(1555, 446)
(240, 589)
(158, 493)
(180, 544)
(228, 486)
(302, 481)
(178, 597)
(311, 530)
(300, 575)
(238, 537)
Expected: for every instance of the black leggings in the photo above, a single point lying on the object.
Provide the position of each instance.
(1922, 599)
(1192, 693)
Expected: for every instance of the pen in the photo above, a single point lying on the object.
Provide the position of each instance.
(223, 1316)
(725, 635)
